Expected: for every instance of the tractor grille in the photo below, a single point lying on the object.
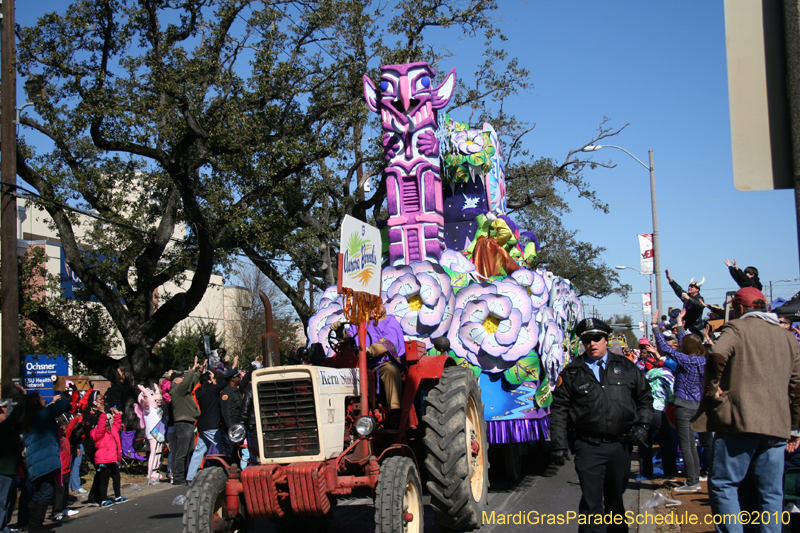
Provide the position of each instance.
(288, 418)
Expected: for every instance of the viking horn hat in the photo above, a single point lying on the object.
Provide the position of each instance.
(697, 284)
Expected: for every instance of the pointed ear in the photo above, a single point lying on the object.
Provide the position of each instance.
(370, 94)
(442, 93)
(141, 388)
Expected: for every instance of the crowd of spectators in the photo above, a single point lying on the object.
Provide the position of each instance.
(733, 391)
(183, 418)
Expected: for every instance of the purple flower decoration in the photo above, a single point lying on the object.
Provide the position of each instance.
(548, 277)
(535, 284)
(421, 299)
(331, 294)
(456, 262)
(469, 142)
(550, 338)
(492, 326)
(319, 325)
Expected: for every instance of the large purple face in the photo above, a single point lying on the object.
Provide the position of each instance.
(407, 92)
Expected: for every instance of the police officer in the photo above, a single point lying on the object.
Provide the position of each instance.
(603, 401)
(230, 404)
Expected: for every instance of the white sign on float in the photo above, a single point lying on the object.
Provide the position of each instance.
(360, 245)
(646, 253)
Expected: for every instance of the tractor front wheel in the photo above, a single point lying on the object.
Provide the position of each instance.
(398, 497)
(455, 439)
(205, 510)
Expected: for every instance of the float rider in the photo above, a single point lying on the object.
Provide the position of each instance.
(386, 353)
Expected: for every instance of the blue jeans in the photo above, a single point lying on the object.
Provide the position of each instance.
(734, 455)
(8, 494)
(75, 472)
(207, 437)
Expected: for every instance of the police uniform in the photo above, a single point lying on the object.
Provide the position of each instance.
(230, 408)
(603, 417)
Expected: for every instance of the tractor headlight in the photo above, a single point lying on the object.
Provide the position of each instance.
(237, 433)
(365, 425)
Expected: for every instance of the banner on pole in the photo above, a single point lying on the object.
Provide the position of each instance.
(646, 305)
(646, 253)
(641, 326)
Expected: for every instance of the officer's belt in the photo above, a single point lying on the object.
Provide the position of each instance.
(597, 439)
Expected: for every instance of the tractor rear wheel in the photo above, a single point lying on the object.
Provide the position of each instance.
(398, 497)
(457, 461)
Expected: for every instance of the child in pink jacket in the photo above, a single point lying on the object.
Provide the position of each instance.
(106, 438)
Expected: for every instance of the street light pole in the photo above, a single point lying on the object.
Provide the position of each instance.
(656, 249)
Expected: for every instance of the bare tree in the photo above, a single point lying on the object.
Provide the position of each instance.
(244, 334)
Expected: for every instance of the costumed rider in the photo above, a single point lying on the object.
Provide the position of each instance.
(604, 404)
(386, 353)
(692, 302)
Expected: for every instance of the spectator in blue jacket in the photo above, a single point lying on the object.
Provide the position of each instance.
(42, 456)
(691, 364)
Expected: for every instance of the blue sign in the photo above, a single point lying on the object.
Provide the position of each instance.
(38, 372)
(70, 282)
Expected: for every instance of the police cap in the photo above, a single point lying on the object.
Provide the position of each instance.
(592, 326)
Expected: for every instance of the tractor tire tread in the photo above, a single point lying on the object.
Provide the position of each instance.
(200, 500)
(446, 463)
(390, 491)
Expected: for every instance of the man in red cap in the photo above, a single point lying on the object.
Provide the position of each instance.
(752, 402)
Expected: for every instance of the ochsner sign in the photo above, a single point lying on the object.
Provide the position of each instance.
(361, 246)
(38, 372)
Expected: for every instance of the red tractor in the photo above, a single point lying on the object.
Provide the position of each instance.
(323, 431)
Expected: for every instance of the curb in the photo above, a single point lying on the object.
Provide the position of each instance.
(645, 493)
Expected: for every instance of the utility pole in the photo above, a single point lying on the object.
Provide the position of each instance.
(656, 248)
(9, 283)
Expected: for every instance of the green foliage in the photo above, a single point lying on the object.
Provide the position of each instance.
(179, 349)
(67, 324)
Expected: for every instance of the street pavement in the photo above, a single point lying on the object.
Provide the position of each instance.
(152, 510)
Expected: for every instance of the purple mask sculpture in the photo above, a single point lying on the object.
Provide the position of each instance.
(407, 102)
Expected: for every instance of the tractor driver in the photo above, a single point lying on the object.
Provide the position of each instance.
(386, 353)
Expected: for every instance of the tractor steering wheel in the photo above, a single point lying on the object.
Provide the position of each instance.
(336, 343)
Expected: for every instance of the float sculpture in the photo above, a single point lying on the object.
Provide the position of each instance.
(458, 266)
(408, 102)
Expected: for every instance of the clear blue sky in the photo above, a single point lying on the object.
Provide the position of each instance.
(660, 67)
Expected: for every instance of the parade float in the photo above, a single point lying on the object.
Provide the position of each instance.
(456, 266)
